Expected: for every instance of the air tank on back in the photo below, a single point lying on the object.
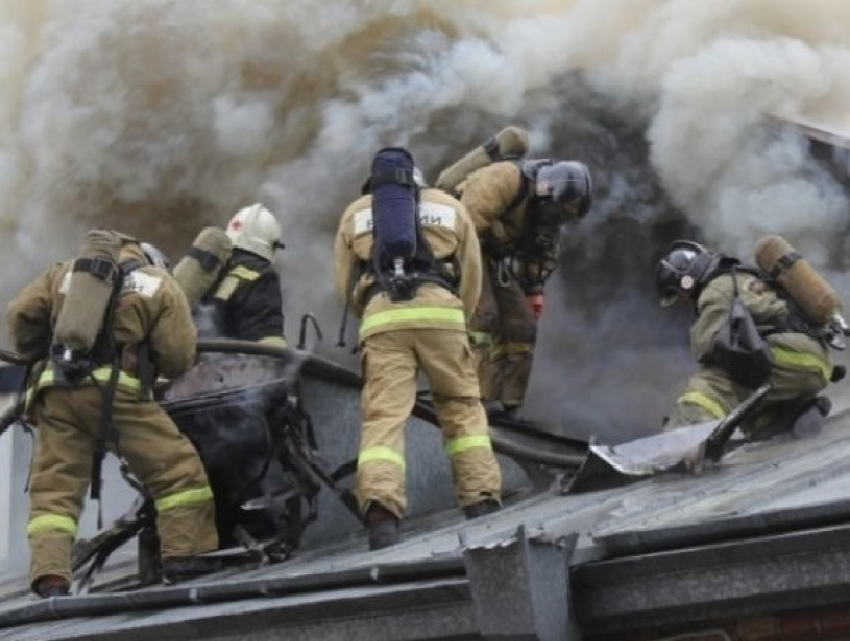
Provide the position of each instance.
(818, 301)
(510, 142)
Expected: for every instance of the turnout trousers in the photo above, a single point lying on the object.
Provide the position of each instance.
(156, 452)
(502, 333)
(391, 361)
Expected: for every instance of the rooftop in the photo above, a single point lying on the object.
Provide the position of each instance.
(769, 526)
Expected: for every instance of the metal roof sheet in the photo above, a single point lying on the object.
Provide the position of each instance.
(758, 489)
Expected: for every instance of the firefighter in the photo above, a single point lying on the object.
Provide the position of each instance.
(518, 209)
(798, 367)
(418, 324)
(247, 301)
(150, 322)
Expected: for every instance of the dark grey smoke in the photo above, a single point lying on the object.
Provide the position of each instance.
(159, 117)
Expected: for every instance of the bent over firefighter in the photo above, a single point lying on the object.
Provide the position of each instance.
(518, 208)
(84, 401)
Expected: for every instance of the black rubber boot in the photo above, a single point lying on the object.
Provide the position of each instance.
(482, 508)
(810, 420)
(498, 410)
(51, 585)
(185, 568)
(382, 526)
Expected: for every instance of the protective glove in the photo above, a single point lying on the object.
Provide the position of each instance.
(535, 304)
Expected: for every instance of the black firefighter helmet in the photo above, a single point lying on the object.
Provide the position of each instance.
(681, 270)
(566, 183)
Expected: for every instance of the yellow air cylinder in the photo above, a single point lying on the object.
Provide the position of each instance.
(90, 285)
(813, 295)
(509, 142)
(200, 269)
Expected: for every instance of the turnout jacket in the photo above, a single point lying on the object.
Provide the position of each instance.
(150, 307)
(451, 236)
(498, 199)
(771, 315)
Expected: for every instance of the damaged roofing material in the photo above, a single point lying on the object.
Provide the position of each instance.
(220, 383)
(764, 510)
(442, 573)
(685, 449)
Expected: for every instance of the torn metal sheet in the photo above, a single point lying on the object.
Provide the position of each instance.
(657, 453)
(612, 466)
(685, 449)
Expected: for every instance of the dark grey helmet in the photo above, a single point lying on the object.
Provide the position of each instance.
(680, 271)
(566, 182)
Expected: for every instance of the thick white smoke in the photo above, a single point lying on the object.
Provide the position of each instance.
(157, 117)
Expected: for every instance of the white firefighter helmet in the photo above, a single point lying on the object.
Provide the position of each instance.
(155, 255)
(255, 229)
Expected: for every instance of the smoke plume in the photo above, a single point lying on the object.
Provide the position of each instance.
(158, 117)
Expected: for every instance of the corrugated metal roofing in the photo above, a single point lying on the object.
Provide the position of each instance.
(758, 489)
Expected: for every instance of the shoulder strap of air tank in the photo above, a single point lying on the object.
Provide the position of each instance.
(106, 432)
(527, 173)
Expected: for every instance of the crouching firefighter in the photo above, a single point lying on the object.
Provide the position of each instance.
(408, 258)
(232, 273)
(751, 330)
(104, 326)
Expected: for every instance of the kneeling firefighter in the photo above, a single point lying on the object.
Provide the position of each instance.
(232, 272)
(103, 326)
(518, 208)
(407, 259)
(755, 324)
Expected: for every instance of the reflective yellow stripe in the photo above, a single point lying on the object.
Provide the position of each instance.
(227, 287)
(800, 360)
(244, 273)
(380, 453)
(184, 499)
(518, 348)
(52, 522)
(273, 340)
(708, 404)
(413, 314)
(480, 338)
(463, 443)
(101, 375)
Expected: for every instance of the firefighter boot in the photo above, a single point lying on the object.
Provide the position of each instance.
(382, 526)
(177, 569)
(51, 585)
(809, 422)
(482, 508)
(500, 410)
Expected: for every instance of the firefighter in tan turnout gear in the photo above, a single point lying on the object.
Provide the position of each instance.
(408, 257)
(84, 400)
(518, 208)
(794, 356)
